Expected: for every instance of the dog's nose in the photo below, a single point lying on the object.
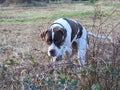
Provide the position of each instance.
(52, 52)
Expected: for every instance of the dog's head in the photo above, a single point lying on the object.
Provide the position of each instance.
(54, 37)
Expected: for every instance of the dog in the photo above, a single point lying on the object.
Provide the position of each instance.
(64, 36)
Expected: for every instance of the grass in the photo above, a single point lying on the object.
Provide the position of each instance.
(26, 66)
(39, 18)
(38, 15)
(73, 14)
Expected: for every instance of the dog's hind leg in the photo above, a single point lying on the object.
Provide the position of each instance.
(82, 49)
(82, 58)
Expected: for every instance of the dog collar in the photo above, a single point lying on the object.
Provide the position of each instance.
(58, 24)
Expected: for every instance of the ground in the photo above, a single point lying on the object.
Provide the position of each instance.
(20, 28)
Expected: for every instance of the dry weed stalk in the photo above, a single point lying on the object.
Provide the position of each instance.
(101, 72)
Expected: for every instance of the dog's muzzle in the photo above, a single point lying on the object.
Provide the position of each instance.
(52, 52)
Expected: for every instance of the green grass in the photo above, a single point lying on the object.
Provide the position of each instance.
(36, 72)
(38, 18)
(72, 14)
(115, 5)
(84, 10)
(23, 21)
(87, 3)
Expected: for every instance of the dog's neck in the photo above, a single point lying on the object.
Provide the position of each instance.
(58, 24)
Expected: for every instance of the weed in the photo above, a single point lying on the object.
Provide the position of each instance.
(33, 70)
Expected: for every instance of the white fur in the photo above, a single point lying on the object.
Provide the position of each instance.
(99, 36)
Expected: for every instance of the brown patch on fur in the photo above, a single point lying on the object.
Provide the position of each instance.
(62, 30)
(59, 36)
(75, 27)
(74, 47)
(80, 31)
(59, 33)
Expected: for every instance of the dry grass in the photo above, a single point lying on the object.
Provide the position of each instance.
(26, 66)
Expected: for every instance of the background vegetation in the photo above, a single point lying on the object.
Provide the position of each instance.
(25, 65)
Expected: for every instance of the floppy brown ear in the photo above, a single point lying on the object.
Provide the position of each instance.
(43, 35)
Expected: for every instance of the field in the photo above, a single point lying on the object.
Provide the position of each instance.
(25, 65)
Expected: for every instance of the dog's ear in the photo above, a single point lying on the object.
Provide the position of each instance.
(43, 35)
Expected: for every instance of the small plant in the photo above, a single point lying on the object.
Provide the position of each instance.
(34, 70)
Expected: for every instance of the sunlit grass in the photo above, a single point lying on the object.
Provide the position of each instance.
(25, 64)
(42, 15)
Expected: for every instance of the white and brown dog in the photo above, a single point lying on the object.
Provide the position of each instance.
(64, 35)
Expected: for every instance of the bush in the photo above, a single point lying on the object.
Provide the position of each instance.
(101, 72)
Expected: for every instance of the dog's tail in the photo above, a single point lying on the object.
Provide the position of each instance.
(99, 36)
